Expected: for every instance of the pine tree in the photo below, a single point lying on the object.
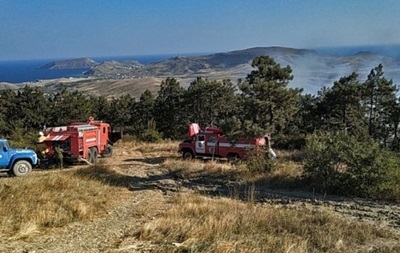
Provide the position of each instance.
(120, 110)
(268, 105)
(171, 120)
(142, 113)
(379, 97)
(210, 102)
(8, 107)
(101, 109)
(67, 107)
(341, 106)
(32, 108)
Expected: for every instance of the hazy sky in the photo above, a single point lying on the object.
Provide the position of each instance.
(38, 29)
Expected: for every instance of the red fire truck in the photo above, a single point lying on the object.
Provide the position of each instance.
(80, 141)
(211, 142)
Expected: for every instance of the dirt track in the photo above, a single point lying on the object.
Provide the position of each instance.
(148, 183)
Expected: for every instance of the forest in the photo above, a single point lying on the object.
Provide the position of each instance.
(352, 124)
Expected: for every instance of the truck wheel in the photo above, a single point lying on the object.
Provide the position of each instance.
(95, 154)
(22, 168)
(108, 152)
(89, 155)
(187, 155)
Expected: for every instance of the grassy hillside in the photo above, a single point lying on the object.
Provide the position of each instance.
(104, 87)
(176, 206)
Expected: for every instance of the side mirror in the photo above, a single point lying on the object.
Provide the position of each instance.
(5, 149)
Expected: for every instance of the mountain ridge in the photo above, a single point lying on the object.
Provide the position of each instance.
(76, 63)
(312, 69)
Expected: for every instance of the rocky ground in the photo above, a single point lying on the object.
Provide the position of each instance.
(151, 183)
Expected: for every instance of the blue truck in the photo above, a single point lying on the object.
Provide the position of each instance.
(16, 161)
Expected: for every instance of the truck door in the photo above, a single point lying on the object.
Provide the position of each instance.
(212, 148)
(3, 156)
(200, 144)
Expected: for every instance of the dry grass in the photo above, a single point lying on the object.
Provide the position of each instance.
(284, 173)
(51, 199)
(163, 148)
(198, 168)
(156, 149)
(198, 223)
(202, 224)
(195, 223)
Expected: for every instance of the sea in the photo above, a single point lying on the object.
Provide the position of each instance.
(23, 71)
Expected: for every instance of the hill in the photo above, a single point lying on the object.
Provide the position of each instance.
(146, 199)
(114, 69)
(312, 70)
(80, 63)
(102, 86)
(6, 86)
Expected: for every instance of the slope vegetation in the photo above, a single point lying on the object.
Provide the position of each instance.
(145, 199)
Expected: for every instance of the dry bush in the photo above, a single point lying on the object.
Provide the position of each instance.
(51, 199)
(201, 224)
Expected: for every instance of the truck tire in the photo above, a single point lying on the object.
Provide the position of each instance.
(21, 168)
(94, 154)
(187, 155)
(108, 152)
(90, 156)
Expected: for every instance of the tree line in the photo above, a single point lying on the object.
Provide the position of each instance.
(261, 102)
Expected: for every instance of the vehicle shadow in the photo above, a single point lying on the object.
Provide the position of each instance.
(162, 178)
(111, 177)
(215, 184)
(150, 160)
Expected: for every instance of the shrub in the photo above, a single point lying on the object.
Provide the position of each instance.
(340, 163)
(150, 135)
(258, 162)
(289, 142)
(321, 161)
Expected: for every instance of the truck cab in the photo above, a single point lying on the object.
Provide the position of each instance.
(16, 161)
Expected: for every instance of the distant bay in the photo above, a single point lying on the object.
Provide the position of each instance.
(28, 70)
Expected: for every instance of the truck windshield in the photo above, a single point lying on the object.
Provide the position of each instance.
(6, 145)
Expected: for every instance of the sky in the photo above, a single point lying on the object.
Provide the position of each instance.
(44, 29)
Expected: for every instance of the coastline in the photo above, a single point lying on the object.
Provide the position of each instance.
(18, 72)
